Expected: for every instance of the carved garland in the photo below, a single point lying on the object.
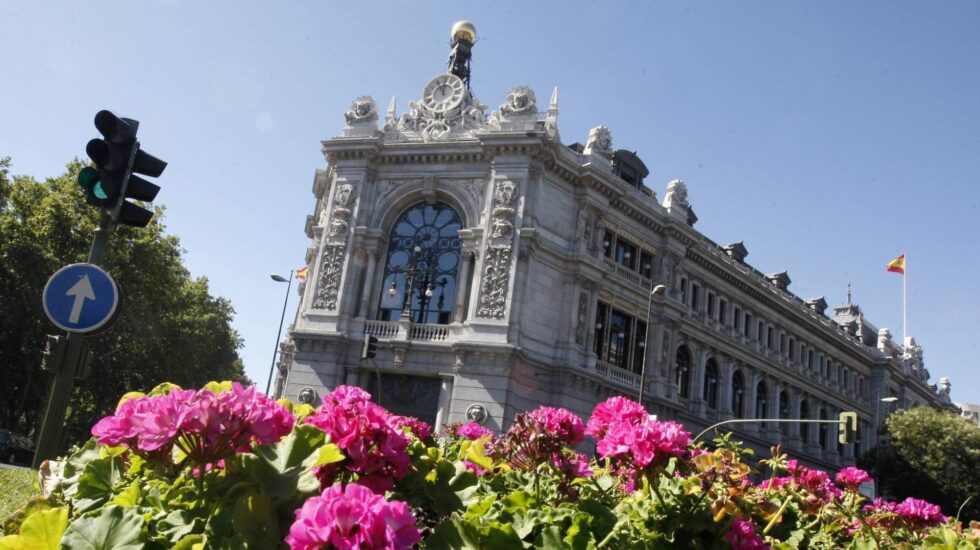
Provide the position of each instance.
(496, 271)
(332, 260)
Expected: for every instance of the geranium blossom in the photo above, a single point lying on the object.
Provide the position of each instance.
(418, 428)
(560, 423)
(614, 410)
(473, 431)
(852, 477)
(205, 425)
(648, 443)
(742, 536)
(375, 450)
(352, 518)
(919, 514)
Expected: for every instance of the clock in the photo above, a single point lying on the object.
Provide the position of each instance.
(443, 93)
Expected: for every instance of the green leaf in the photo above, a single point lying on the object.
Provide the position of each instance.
(475, 454)
(114, 528)
(129, 496)
(255, 520)
(550, 539)
(75, 466)
(40, 531)
(96, 483)
(285, 469)
(179, 524)
(329, 454)
(191, 542)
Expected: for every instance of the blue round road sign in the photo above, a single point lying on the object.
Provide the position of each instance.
(80, 298)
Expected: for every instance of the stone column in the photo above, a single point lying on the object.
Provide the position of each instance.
(795, 441)
(368, 282)
(725, 371)
(775, 429)
(465, 258)
(445, 400)
(752, 383)
(698, 404)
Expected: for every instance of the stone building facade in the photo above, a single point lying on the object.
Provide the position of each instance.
(533, 273)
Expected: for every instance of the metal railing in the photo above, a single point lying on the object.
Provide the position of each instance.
(618, 374)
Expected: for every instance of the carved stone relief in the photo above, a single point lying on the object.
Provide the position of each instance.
(496, 270)
(363, 109)
(600, 141)
(581, 321)
(335, 247)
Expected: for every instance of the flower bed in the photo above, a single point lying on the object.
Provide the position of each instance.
(227, 467)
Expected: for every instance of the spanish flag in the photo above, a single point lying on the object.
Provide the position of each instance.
(301, 273)
(897, 265)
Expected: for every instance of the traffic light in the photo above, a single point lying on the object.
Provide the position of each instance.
(53, 354)
(117, 157)
(370, 348)
(847, 429)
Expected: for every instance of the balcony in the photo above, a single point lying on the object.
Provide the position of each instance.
(392, 330)
(617, 374)
(628, 274)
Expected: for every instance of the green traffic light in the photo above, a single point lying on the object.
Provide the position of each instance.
(89, 180)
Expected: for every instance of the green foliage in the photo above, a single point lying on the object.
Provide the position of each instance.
(933, 455)
(41, 531)
(170, 326)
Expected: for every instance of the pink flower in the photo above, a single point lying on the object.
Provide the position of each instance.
(558, 422)
(615, 410)
(742, 536)
(919, 514)
(207, 427)
(649, 443)
(375, 449)
(572, 463)
(352, 518)
(852, 477)
(473, 431)
(418, 428)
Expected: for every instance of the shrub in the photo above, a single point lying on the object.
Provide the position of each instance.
(226, 467)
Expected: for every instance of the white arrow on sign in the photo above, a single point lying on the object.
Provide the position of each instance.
(82, 290)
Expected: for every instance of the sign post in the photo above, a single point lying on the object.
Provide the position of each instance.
(79, 298)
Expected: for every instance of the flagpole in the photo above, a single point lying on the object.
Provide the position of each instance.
(905, 301)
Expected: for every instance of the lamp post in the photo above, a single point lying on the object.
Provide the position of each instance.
(657, 290)
(289, 284)
(422, 265)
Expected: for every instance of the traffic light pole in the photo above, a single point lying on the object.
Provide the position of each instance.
(839, 422)
(71, 364)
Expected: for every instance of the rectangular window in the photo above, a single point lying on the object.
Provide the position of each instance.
(684, 290)
(711, 305)
(769, 337)
(722, 305)
(607, 243)
(639, 343)
(620, 329)
(738, 319)
(695, 297)
(625, 254)
(601, 314)
(646, 265)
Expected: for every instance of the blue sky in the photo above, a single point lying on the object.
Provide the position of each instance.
(830, 137)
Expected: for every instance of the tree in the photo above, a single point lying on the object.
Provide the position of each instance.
(932, 455)
(170, 328)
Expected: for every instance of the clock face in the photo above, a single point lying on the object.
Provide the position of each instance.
(445, 92)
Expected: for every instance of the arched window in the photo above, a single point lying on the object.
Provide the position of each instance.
(805, 415)
(710, 393)
(738, 394)
(423, 257)
(761, 403)
(682, 372)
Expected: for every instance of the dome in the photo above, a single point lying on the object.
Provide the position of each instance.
(464, 30)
